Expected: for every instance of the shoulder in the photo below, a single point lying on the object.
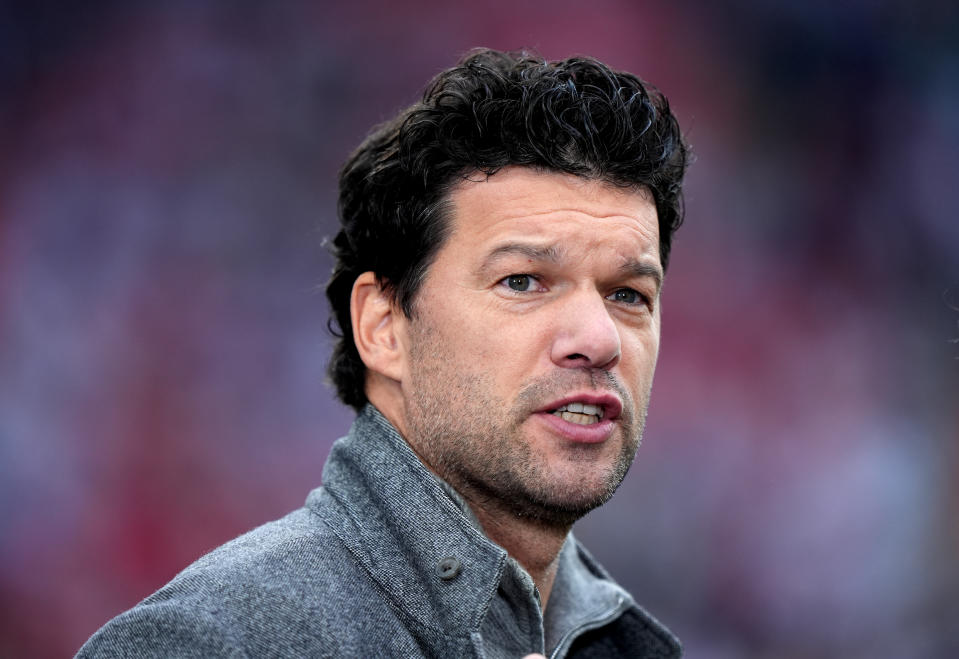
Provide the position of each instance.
(278, 589)
(162, 629)
(278, 554)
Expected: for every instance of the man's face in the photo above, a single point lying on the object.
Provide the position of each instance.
(533, 341)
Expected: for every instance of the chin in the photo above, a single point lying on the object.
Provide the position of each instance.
(562, 514)
(567, 501)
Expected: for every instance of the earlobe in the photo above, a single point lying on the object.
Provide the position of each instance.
(376, 323)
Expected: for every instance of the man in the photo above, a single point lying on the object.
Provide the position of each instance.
(497, 284)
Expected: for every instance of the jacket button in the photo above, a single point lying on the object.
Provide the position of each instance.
(448, 568)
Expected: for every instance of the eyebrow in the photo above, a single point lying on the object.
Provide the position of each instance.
(550, 253)
(535, 252)
(644, 269)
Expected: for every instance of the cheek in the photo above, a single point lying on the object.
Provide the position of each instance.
(640, 353)
(512, 350)
(464, 338)
(480, 330)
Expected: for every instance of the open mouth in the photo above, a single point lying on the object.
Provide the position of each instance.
(580, 413)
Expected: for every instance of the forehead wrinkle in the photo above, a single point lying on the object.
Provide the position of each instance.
(585, 210)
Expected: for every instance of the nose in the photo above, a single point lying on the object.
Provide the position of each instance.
(586, 335)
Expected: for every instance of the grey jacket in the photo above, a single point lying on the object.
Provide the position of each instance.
(383, 561)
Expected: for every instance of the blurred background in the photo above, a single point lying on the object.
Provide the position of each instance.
(167, 179)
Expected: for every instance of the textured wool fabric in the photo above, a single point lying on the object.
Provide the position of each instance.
(382, 561)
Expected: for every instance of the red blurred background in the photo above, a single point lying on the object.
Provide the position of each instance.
(167, 179)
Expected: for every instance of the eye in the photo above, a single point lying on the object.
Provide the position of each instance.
(520, 283)
(627, 296)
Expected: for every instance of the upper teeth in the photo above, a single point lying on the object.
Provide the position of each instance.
(582, 408)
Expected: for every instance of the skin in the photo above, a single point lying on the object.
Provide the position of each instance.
(546, 291)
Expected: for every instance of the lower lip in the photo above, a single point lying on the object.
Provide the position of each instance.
(594, 433)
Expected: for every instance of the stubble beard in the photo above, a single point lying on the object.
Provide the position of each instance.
(476, 442)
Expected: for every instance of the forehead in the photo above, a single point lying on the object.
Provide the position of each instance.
(520, 203)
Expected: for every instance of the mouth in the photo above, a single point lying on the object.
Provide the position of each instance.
(586, 409)
(584, 417)
(582, 414)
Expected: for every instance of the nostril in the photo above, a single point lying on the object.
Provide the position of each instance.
(577, 355)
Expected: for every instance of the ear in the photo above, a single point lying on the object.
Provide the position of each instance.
(376, 327)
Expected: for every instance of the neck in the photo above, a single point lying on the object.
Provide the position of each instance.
(533, 544)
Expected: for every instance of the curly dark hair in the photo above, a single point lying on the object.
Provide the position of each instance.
(492, 110)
